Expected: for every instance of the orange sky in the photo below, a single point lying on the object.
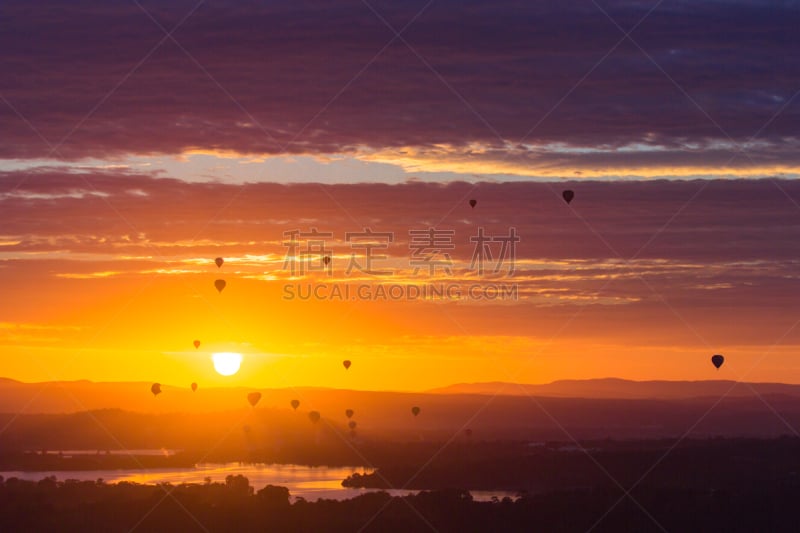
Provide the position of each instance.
(95, 300)
(130, 160)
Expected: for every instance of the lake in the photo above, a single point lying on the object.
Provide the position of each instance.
(309, 482)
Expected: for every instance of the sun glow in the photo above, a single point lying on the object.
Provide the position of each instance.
(226, 363)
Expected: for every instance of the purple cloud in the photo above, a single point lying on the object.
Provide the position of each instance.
(314, 77)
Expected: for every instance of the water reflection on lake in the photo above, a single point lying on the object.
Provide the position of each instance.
(309, 482)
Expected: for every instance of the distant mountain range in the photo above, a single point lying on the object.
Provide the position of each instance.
(596, 408)
(625, 389)
(83, 395)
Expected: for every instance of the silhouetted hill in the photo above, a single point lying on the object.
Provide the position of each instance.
(606, 408)
(625, 389)
(77, 396)
(61, 408)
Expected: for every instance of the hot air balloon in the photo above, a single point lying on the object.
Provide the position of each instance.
(155, 388)
(352, 424)
(349, 413)
(346, 363)
(219, 261)
(295, 404)
(568, 195)
(717, 360)
(196, 344)
(220, 284)
(326, 260)
(194, 387)
(253, 398)
(473, 203)
(313, 416)
(415, 410)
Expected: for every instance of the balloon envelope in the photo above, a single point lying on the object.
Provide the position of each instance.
(415, 410)
(568, 195)
(717, 360)
(156, 389)
(349, 413)
(196, 344)
(219, 261)
(194, 387)
(346, 364)
(253, 398)
(295, 404)
(220, 284)
(473, 203)
(326, 260)
(313, 416)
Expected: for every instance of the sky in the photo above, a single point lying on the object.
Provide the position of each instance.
(141, 140)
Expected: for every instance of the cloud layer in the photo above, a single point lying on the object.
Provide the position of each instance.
(469, 80)
(724, 244)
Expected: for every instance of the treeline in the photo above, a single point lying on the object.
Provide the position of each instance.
(710, 464)
(70, 506)
(56, 461)
(694, 464)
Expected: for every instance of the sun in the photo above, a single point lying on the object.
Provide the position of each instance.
(227, 363)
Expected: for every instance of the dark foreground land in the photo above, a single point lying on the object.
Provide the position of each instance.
(628, 471)
(235, 506)
(662, 485)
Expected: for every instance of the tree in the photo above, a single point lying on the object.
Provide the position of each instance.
(239, 485)
(273, 496)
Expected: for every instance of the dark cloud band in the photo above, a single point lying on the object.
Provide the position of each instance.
(715, 73)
